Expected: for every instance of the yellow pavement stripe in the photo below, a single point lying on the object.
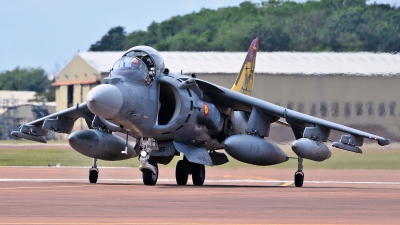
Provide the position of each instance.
(289, 183)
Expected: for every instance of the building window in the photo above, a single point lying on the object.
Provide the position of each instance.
(323, 109)
(382, 109)
(70, 96)
(370, 108)
(347, 109)
(313, 110)
(359, 108)
(82, 97)
(392, 108)
(335, 109)
(290, 105)
(300, 107)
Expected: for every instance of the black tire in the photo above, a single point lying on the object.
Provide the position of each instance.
(198, 174)
(147, 175)
(181, 175)
(93, 175)
(298, 179)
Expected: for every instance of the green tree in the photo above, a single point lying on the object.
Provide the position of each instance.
(326, 25)
(24, 79)
(28, 79)
(112, 41)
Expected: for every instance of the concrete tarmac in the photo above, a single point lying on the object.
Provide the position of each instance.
(63, 195)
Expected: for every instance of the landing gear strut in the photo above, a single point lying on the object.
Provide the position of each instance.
(148, 167)
(93, 172)
(184, 168)
(299, 175)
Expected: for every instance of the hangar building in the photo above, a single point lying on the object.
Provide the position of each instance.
(355, 89)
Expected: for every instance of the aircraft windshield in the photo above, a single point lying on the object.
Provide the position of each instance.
(132, 68)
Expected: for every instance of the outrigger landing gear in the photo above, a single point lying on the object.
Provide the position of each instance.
(93, 172)
(299, 175)
(184, 168)
(148, 167)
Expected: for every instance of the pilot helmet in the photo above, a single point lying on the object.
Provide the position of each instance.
(135, 62)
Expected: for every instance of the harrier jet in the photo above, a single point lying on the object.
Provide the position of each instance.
(171, 114)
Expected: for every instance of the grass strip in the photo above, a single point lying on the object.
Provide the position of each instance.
(370, 159)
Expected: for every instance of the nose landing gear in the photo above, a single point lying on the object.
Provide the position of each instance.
(148, 167)
(149, 177)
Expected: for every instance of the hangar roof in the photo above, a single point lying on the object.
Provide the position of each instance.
(363, 63)
(101, 61)
(20, 96)
(16, 98)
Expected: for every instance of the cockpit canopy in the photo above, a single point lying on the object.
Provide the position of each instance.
(140, 64)
(132, 68)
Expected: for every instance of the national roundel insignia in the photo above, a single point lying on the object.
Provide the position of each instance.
(206, 110)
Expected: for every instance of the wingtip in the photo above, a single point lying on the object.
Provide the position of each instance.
(383, 142)
(28, 137)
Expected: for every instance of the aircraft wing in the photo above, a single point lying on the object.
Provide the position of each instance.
(61, 122)
(298, 121)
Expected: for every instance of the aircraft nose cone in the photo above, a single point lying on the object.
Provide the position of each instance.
(104, 100)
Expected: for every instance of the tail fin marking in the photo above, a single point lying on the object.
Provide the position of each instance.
(245, 78)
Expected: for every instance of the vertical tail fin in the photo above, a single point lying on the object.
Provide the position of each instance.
(245, 78)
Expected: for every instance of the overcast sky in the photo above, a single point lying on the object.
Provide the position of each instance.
(48, 33)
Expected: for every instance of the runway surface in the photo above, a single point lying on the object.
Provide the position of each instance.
(41, 195)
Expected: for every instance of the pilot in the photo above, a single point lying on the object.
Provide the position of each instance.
(143, 71)
(135, 63)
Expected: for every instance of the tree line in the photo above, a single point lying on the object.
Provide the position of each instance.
(28, 79)
(326, 25)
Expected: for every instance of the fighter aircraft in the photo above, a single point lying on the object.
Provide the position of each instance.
(171, 114)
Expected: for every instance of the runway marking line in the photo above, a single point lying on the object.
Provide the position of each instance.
(282, 182)
(155, 223)
(145, 223)
(14, 188)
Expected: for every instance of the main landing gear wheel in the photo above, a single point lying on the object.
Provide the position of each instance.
(184, 168)
(198, 174)
(93, 175)
(149, 178)
(298, 179)
(181, 173)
